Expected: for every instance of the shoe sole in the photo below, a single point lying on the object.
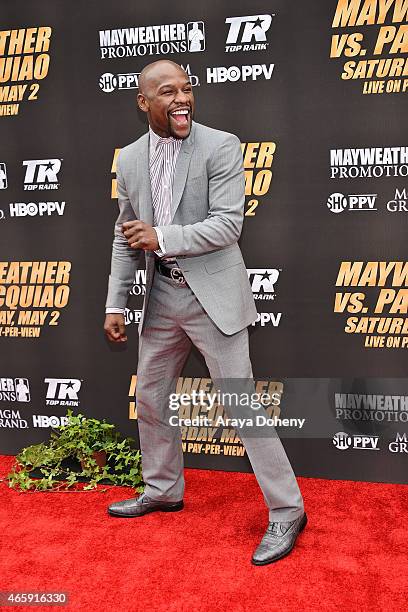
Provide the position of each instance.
(284, 554)
(175, 508)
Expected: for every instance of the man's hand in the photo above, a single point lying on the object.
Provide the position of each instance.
(115, 328)
(140, 235)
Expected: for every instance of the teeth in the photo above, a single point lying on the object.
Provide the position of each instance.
(180, 112)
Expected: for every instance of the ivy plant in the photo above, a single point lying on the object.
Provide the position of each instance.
(78, 440)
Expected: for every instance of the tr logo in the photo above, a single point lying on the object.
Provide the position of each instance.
(62, 388)
(41, 173)
(263, 279)
(254, 29)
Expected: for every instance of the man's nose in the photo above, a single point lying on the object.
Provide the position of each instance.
(182, 97)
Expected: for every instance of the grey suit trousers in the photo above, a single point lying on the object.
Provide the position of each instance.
(174, 320)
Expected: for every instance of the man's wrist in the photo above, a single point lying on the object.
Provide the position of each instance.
(114, 311)
(160, 239)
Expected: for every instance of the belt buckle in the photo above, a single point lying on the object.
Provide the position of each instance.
(177, 275)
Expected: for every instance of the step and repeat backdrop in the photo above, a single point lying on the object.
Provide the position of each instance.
(317, 93)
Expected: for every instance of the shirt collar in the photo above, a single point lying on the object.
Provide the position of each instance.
(155, 138)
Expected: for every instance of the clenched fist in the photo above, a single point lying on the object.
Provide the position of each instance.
(115, 328)
(140, 235)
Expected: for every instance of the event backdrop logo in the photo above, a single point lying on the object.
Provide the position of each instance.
(263, 281)
(41, 174)
(344, 441)
(386, 71)
(152, 40)
(378, 311)
(42, 287)
(247, 72)
(400, 201)
(370, 162)
(265, 319)
(372, 407)
(34, 209)
(14, 390)
(247, 33)
(11, 419)
(62, 391)
(23, 61)
(338, 202)
(400, 444)
(45, 421)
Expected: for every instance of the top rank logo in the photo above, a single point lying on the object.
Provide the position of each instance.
(62, 391)
(152, 40)
(3, 176)
(41, 174)
(247, 33)
(263, 282)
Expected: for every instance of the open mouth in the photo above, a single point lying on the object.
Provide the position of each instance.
(180, 116)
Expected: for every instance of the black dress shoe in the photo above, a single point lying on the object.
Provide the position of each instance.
(278, 541)
(138, 506)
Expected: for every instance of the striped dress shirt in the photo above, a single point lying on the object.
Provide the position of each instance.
(163, 154)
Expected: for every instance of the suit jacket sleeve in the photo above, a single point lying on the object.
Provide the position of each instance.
(226, 197)
(124, 260)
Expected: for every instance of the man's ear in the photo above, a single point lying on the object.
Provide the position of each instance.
(142, 103)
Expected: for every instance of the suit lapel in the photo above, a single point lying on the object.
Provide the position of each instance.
(145, 191)
(180, 175)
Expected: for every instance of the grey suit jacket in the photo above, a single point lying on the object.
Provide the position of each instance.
(207, 217)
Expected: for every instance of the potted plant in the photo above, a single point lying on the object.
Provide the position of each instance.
(87, 438)
(96, 446)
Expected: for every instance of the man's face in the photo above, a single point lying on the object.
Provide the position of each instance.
(168, 100)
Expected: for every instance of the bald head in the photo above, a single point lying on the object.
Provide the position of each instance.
(166, 96)
(157, 71)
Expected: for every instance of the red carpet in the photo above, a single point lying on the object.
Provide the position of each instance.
(352, 556)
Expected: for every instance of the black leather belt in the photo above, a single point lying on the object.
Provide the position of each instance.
(174, 272)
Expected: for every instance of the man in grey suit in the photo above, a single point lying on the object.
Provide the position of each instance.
(181, 203)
